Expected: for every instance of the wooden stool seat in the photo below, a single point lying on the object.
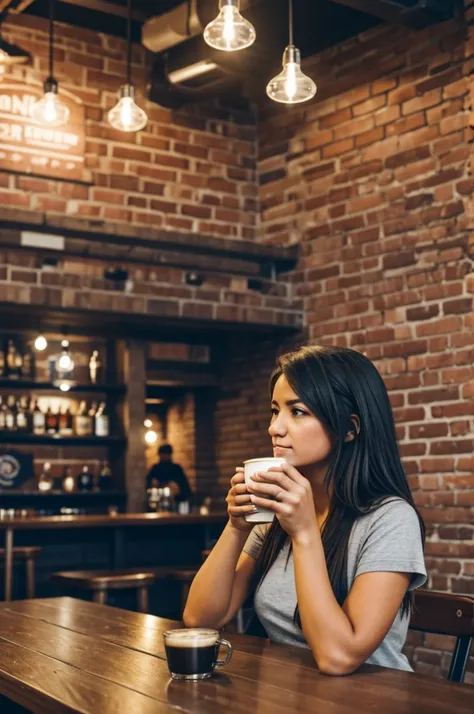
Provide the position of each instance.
(99, 582)
(27, 554)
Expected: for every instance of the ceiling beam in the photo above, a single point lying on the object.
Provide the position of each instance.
(419, 15)
(108, 8)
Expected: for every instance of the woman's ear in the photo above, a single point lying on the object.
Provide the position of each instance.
(351, 435)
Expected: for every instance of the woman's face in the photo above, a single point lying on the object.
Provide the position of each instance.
(297, 435)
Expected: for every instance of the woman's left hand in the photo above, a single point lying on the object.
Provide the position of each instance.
(293, 504)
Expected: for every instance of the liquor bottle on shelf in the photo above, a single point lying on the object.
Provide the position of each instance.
(52, 420)
(39, 420)
(2, 359)
(95, 368)
(66, 421)
(83, 422)
(105, 477)
(102, 421)
(68, 482)
(45, 482)
(85, 480)
(21, 416)
(10, 415)
(3, 410)
(14, 361)
(29, 363)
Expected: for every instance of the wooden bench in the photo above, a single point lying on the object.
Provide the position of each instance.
(26, 554)
(99, 582)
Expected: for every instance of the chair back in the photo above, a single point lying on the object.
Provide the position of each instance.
(446, 614)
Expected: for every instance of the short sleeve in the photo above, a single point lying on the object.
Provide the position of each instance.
(255, 540)
(393, 543)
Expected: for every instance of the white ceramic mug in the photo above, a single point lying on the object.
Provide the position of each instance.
(262, 515)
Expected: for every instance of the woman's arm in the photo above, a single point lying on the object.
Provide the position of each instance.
(342, 638)
(221, 586)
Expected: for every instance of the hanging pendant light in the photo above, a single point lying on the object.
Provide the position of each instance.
(229, 31)
(50, 110)
(291, 86)
(126, 115)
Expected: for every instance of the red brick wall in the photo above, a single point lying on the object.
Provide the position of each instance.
(180, 433)
(189, 170)
(374, 179)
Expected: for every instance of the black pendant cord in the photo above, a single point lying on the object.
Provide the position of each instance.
(129, 42)
(290, 20)
(51, 38)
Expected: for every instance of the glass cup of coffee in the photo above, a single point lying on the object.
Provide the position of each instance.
(251, 467)
(192, 654)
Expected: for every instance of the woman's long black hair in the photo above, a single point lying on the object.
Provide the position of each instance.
(335, 383)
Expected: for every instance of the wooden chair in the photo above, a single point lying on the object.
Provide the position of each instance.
(99, 582)
(26, 555)
(182, 574)
(445, 614)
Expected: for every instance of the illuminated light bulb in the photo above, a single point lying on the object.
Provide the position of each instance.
(291, 86)
(229, 31)
(64, 387)
(151, 437)
(41, 343)
(148, 423)
(50, 110)
(65, 363)
(126, 115)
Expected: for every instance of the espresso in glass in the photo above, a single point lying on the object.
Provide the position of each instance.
(193, 653)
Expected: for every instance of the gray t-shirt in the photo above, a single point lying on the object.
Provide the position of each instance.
(388, 539)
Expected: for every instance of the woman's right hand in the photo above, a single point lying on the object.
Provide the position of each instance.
(238, 502)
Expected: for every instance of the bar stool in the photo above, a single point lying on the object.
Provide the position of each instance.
(27, 555)
(182, 575)
(99, 582)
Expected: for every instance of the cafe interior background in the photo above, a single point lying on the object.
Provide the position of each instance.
(187, 253)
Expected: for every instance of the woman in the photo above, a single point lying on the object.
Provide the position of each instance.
(335, 570)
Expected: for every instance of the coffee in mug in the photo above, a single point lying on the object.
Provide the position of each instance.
(193, 653)
(252, 466)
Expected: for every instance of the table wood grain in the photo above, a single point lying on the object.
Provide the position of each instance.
(63, 655)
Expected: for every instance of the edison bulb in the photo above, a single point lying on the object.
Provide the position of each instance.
(41, 343)
(50, 110)
(291, 86)
(127, 115)
(229, 31)
(151, 437)
(65, 363)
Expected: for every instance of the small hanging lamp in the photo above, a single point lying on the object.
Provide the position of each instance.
(50, 110)
(126, 115)
(229, 31)
(291, 86)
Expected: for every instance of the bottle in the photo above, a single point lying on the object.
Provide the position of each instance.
(10, 415)
(68, 483)
(102, 422)
(14, 361)
(52, 420)
(66, 422)
(3, 409)
(2, 359)
(82, 421)
(95, 368)
(105, 477)
(45, 482)
(21, 418)
(167, 503)
(39, 420)
(28, 363)
(85, 480)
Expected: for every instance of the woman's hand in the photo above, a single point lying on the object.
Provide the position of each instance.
(293, 504)
(238, 502)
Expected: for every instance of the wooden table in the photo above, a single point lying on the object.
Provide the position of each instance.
(126, 520)
(61, 656)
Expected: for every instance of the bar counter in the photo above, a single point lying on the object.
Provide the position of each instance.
(117, 522)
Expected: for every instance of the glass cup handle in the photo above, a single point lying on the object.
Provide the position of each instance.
(223, 662)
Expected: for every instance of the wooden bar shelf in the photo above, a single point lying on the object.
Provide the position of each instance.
(15, 437)
(19, 384)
